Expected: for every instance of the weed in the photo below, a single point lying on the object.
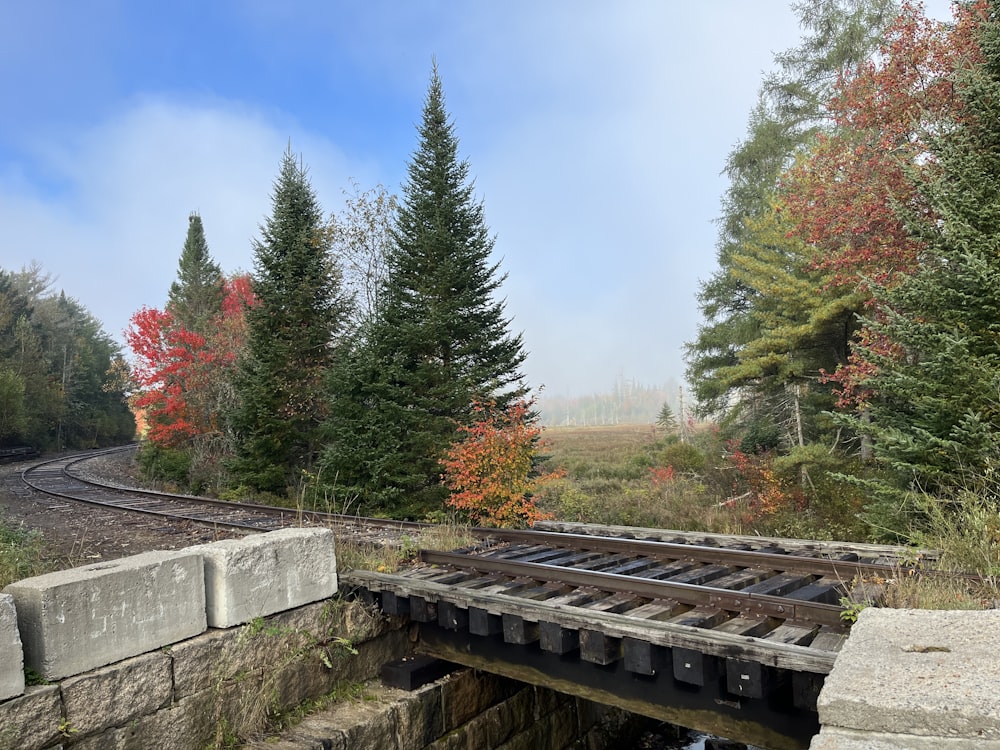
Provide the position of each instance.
(250, 695)
(31, 677)
(21, 554)
(851, 609)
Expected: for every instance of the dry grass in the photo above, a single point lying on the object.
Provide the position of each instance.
(389, 557)
(580, 449)
(919, 590)
(609, 480)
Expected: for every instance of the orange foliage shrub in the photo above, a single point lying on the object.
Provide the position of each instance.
(491, 469)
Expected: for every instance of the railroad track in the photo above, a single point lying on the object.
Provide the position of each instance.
(781, 592)
(770, 583)
(64, 478)
(728, 627)
(616, 598)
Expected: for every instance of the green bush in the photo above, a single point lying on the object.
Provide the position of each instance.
(165, 464)
(685, 458)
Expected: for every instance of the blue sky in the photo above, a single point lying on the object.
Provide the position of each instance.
(595, 131)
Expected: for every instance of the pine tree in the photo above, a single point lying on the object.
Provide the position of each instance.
(439, 341)
(935, 410)
(292, 332)
(196, 296)
(666, 418)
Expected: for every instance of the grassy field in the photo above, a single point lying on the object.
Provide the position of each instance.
(617, 475)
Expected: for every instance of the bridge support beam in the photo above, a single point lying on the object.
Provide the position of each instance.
(771, 722)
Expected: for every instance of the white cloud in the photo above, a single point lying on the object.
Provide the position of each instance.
(113, 229)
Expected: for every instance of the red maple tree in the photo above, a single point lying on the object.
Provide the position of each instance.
(844, 195)
(180, 373)
(490, 470)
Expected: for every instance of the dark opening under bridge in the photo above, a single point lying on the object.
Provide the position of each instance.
(730, 635)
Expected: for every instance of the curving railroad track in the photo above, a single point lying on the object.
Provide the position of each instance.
(66, 478)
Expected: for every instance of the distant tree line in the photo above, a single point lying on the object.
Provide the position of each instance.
(360, 353)
(627, 402)
(62, 378)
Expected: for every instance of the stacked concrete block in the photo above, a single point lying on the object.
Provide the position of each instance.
(72, 621)
(11, 657)
(919, 679)
(266, 573)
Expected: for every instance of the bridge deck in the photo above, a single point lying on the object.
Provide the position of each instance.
(735, 639)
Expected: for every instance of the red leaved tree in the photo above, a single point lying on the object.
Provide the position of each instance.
(491, 469)
(184, 377)
(844, 196)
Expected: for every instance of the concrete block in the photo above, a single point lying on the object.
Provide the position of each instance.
(11, 656)
(848, 739)
(266, 573)
(917, 672)
(72, 621)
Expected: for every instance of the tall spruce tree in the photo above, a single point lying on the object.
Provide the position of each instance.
(439, 340)
(196, 296)
(292, 332)
(936, 411)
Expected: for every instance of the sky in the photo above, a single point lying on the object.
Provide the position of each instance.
(596, 133)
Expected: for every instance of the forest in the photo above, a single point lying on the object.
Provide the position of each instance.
(850, 330)
(62, 378)
(844, 381)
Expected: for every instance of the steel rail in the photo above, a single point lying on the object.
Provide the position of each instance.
(786, 562)
(686, 593)
(255, 517)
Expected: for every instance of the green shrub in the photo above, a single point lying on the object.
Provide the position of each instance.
(685, 458)
(165, 464)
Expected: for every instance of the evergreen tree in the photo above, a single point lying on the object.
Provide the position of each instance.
(666, 418)
(54, 360)
(291, 337)
(935, 410)
(196, 296)
(438, 343)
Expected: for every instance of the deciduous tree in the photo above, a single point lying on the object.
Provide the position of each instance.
(490, 469)
(184, 378)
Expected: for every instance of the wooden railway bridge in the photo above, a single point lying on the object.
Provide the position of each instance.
(729, 635)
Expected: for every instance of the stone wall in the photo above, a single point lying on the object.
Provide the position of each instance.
(206, 690)
(180, 644)
(467, 709)
(204, 647)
